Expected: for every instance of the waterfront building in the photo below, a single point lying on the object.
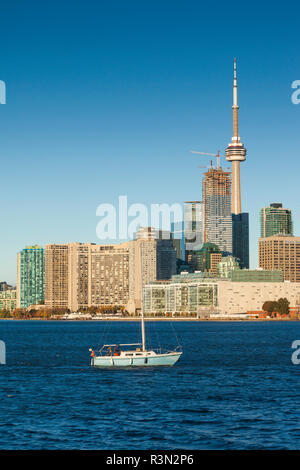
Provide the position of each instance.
(256, 275)
(56, 275)
(275, 220)
(184, 294)
(216, 190)
(281, 252)
(236, 153)
(195, 293)
(241, 297)
(81, 275)
(8, 299)
(30, 276)
(109, 275)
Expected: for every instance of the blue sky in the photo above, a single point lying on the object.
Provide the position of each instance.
(108, 98)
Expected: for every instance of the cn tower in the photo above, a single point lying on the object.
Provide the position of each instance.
(235, 152)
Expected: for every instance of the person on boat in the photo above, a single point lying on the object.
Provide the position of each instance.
(117, 350)
(92, 357)
(108, 351)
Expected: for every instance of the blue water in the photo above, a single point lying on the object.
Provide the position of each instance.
(234, 388)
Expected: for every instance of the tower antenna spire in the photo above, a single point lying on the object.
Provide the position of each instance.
(235, 108)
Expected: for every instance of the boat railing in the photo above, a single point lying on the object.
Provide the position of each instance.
(104, 351)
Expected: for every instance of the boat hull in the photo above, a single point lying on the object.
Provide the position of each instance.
(168, 359)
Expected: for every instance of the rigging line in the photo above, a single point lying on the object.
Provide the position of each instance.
(157, 336)
(177, 339)
(105, 332)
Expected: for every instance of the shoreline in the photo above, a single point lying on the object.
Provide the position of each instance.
(138, 319)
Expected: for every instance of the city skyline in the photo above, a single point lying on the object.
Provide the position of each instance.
(121, 118)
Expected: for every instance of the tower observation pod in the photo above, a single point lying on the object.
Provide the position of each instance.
(235, 152)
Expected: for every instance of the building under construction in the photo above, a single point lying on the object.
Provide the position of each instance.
(217, 208)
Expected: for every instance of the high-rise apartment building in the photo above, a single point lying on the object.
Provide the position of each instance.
(30, 276)
(165, 250)
(142, 269)
(281, 252)
(109, 274)
(8, 299)
(152, 256)
(80, 275)
(217, 209)
(275, 220)
(56, 275)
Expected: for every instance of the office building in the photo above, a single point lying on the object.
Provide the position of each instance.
(275, 220)
(193, 225)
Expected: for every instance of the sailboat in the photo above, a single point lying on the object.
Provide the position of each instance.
(123, 355)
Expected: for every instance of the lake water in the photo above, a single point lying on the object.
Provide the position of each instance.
(235, 387)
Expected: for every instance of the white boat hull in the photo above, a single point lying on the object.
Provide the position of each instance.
(144, 360)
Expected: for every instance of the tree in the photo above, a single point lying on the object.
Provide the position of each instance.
(270, 306)
(283, 306)
(4, 314)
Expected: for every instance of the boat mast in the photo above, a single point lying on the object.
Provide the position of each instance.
(143, 332)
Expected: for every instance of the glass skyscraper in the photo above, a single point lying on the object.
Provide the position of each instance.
(240, 238)
(275, 220)
(30, 276)
(193, 226)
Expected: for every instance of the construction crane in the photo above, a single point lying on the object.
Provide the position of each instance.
(218, 155)
(209, 167)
